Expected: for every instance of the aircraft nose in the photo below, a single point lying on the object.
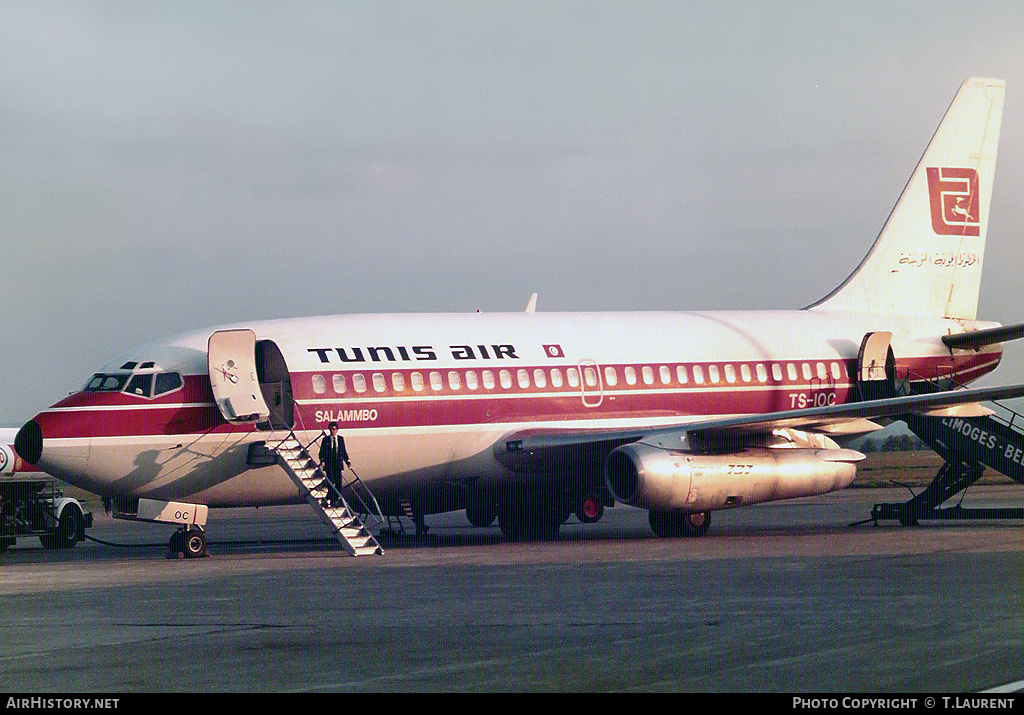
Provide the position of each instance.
(28, 443)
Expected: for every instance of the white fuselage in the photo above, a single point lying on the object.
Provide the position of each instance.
(423, 398)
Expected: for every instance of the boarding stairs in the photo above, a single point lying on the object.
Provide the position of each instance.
(347, 522)
(967, 445)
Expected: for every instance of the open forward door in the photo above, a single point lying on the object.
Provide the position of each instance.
(233, 377)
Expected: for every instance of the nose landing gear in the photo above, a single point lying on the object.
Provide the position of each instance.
(188, 543)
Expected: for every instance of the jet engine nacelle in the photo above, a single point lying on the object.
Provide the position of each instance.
(651, 477)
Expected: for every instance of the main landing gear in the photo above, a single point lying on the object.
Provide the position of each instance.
(670, 524)
(525, 515)
(482, 509)
(189, 543)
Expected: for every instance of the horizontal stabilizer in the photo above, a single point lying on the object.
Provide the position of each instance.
(978, 338)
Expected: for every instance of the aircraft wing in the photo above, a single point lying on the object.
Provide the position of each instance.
(547, 450)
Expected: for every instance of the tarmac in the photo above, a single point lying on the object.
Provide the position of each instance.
(786, 597)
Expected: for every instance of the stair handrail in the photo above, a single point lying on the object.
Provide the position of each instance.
(354, 484)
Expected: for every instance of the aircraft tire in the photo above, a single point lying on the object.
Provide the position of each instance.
(194, 542)
(529, 515)
(590, 510)
(176, 545)
(672, 524)
(481, 512)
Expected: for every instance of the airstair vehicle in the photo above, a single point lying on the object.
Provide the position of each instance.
(967, 445)
(351, 532)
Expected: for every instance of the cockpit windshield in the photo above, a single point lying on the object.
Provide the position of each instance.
(142, 384)
(101, 382)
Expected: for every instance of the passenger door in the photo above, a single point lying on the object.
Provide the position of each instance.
(233, 377)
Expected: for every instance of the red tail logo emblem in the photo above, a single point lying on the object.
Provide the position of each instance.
(954, 200)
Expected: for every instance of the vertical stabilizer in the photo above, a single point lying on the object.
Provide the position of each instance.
(927, 259)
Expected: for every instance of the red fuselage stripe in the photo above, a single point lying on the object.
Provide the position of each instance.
(191, 410)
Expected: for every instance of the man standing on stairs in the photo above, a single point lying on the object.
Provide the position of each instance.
(332, 454)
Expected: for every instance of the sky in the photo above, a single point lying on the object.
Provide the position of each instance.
(170, 166)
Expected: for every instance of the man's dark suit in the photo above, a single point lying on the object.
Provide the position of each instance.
(333, 458)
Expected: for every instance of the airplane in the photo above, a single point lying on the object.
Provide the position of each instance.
(10, 463)
(527, 416)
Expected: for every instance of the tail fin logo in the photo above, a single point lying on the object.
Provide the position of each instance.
(954, 201)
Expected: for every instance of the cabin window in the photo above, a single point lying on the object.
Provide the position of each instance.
(665, 374)
(539, 378)
(488, 377)
(806, 368)
(698, 374)
(505, 377)
(556, 377)
(590, 375)
(397, 381)
(822, 371)
(338, 381)
(762, 373)
(791, 371)
(435, 381)
(713, 373)
(776, 372)
(745, 372)
(610, 377)
(523, 377)
(573, 377)
(471, 380)
(454, 380)
(730, 373)
(166, 382)
(837, 372)
(648, 373)
(416, 380)
(359, 382)
(379, 383)
(681, 375)
(630, 375)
